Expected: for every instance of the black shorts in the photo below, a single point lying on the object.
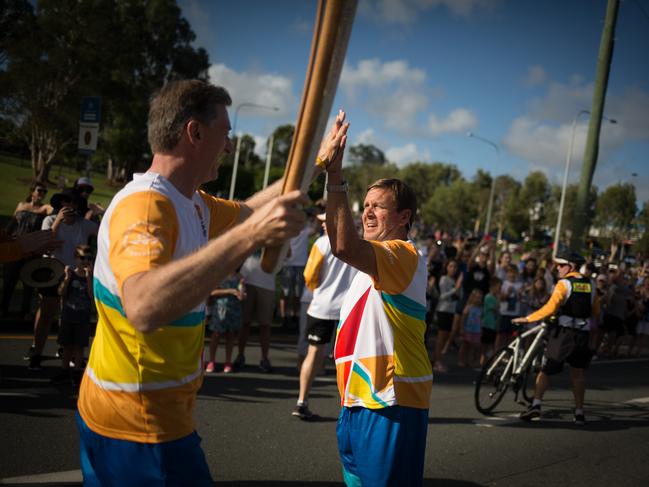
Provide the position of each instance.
(444, 321)
(488, 336)
(319, 331)
(73, 334)
(566, 345)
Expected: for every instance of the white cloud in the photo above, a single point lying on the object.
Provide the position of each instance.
(406, 154)
(542, 136)
(535, 76)
(407, 11)
(459, 120)
(270, 90)
(260, 146)
(366, 137)
(373, 74)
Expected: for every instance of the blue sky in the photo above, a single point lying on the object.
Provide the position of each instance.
(419, 74)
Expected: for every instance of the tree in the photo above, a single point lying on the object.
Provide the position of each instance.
(534, 195)
(282, 140)
(451, 207)
(366, 154)
(481, 183)
(616, 208)
(424, 178)
(55, 62)
(642, 245)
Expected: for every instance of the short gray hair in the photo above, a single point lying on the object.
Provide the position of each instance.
(178, 102)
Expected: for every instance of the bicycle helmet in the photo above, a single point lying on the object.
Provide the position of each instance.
(570, 257)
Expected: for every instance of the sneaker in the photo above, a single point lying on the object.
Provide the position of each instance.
(440, 368)
(59, 352)
(227, 368)
(265, 366)
(239, 362)
(35, 363)
(211, 366)
(580, 419)
(302, 412)
(531, 413)
(30, 353)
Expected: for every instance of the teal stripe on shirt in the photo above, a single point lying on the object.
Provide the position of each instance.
(405, 305)
(359, 370)
(194, 318)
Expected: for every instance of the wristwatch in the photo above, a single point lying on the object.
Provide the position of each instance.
(338, 188)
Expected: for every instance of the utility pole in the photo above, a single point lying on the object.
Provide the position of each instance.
(597, 111)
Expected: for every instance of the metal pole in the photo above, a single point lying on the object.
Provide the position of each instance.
(234, 132)
(557, 231)
(493, 180)
(234, 168)
(268, 157)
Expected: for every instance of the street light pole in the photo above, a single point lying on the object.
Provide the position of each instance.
(557, 230)
(268, 158)
(235, 166)
(493, 180)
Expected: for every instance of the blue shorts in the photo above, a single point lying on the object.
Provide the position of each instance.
(107, 461)
(382, 447)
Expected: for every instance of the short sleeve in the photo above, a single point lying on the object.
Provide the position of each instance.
(143, 230)
(224, 214)
(48, 221)
(396, 263)
(312, 268)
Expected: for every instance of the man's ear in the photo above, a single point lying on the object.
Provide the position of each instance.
(404, 217)
(193, 131)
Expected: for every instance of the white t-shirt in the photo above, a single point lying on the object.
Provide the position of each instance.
(329, 278)
(72, 236)
(511, 306)
(299, 248)
(254, 275)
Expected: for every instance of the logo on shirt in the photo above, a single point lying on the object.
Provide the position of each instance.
(139, 240)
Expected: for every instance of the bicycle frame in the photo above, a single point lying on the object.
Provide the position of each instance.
(518, 365)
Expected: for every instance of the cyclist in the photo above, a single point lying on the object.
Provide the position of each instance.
(571, 303)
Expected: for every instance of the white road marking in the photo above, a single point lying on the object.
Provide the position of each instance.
(639, 400)
(46, 478)
(19, 394)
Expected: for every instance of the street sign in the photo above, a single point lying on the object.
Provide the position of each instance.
(89, 124)
(90, 109)
(88, 134)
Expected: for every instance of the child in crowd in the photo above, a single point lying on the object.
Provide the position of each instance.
(510, 305)
(225, 319)
(643, 323)
(470, 348)
(599, 308)
(536, 296)
(490, 317)
(77, 302)
(450, 292)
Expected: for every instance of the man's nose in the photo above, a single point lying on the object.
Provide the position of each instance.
(228, 146)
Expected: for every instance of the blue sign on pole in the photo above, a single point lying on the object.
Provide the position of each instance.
(90, 109)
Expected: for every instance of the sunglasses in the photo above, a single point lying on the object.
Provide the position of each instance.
(84, 257)
(41, 190)
(86, 189)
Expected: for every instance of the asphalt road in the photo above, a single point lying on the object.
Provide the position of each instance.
(250, 437)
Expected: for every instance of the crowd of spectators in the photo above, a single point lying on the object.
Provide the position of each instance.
(476, 287)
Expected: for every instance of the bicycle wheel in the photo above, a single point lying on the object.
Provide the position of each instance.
(493, 381)
(528, 378)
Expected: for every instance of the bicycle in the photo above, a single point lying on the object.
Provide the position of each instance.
(511, 366)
